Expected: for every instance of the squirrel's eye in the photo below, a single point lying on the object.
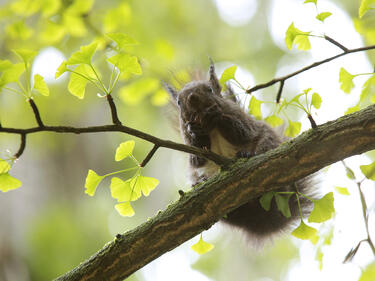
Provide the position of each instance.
(179, 102)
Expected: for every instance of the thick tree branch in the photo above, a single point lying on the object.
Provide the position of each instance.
(200, 208)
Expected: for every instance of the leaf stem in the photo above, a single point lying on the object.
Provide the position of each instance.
(121, 171)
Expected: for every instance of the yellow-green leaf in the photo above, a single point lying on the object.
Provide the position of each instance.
(266, 199)
(147, 184)
(305, 232)
(117, 17)
(366, 5)
(227, 75)
(352, 109)
(254, 108)
(19, 30)
(274, 120)
(5, 64)
(319, 258)
(346, 80)
(25, 54)
(322, 16)
(316, 100)
(7, 182)
(368, 89)
(50, 7)
(293, 129)
(128, 190)
(126, 63)
(297, 37)
(12, 73)
(125, 209)
(77, 83)
(4, 167)
(160, 98)
(124, 150)
(40, 85)
(310, 1)
(134, 93)
(122, 40)
(202, 247)
(61, 70)
(84, 54)
(323, 209)
(92, 182)
(342, 190)
(368, 274)
(369, 171)
(282, 203)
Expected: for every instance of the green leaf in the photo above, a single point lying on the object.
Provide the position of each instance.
(366, 5)
(25, 54)
(147, 184)
(254, 108)
(160, 98)
(293, 129)
(274, 120)
(310, 1)
(117, 17)
(349, 173)
(306, 232)
(134, 93)
(128, 190)
(92, 182)
(369, 171)
(122, 40)
(126, 63)
(368, 89)
(202, 247)
(342, 190)
(323, 16)
(352, 109)
(61, 70)
(266, 199)
(296, 98)
(7, 182)
(323, 209)
(125, 209)
(316, 100)
(297, 37)
(346, 80)
(124, 150)
(12, 73)
(84, 55)
(77, 83)
(40, 85)
(19, 30)
(227, 75)
(50, 7)
(4, 167)
(368, 274)
(5, 64)
(282, 202)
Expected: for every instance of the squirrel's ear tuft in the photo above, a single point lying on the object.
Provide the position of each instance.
(171, 90)
(214, 82)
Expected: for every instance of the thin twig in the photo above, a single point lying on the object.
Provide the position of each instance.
(149, 156)
(22, 146)
(36, 113)
(334, 42)
(279, 92)
(114, 115)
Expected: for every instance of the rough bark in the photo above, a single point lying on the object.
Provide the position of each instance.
(200, 208)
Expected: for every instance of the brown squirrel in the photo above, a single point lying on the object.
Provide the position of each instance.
(215, 121)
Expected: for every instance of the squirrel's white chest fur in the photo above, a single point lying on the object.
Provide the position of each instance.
(220, 146)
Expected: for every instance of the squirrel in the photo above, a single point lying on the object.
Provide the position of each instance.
(215, 121)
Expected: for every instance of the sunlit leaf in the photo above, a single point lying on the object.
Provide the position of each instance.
(77, 82)
(117, 17)
(92, 182)
(297, 37)
(25, 54)
(52, 32)
(147, 184)
(160, 98)
(50, 7)
(7, 182)
(25, 7)
(202, 247)
(134, 93)
(74, 24)
(368, 274)
(351, 110)
(306, 232)
(254, 108)
(124, 150)
(346, 80)
(369, 171)
(227, 75)
(366, 5)
(310, 1)
(19, 30)
(12, 73)
(323, 209)
(125, 209)
(126, 63)
(266, 199)
(61, 70)
(368, 89)
(293, 129)
(282, 203)
(319, 258)
(84, 54)
(274, 120)
(164, 49)
(128, 190)
(342, 190)
(316, 100)
(4, 166)
(80, 7)
(322, 16)
(5, 64)
(122, 40)
(40, 85)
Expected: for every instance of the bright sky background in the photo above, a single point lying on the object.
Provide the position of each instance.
(349, 222)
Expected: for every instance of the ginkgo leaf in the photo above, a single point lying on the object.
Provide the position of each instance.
(316, 100)
(12, 73)
(274, 120)
(293, 129)
(77, 83)
(122, 40)
(322, 16)
(366, 5)
(124, 150)
(282, 203)
(342, 190)
(147, 184)
(323, 209)
(7, 182)
(84, 55)
(351, 110)
(310, 1)
(266, 199)
(297, 37)
(368, 274)
(255, 108)
(128, 190)
(369, 171)
(5, 64)
(40, 85)
(346, 80)
(4, 166)
(126, 63)
(202, 247)
(305, 232)
(227, 75)
(61, 70)
(92, 182)
(25, 54)
(125, 209)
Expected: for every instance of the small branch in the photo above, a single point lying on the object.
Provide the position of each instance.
(334, 42)
(36, 113)
(315, 64)
(279, 92)
(22, 146)
(312, 121)
(149, 156)
(114, 115)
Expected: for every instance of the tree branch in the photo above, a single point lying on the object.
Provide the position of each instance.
(200, 208)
